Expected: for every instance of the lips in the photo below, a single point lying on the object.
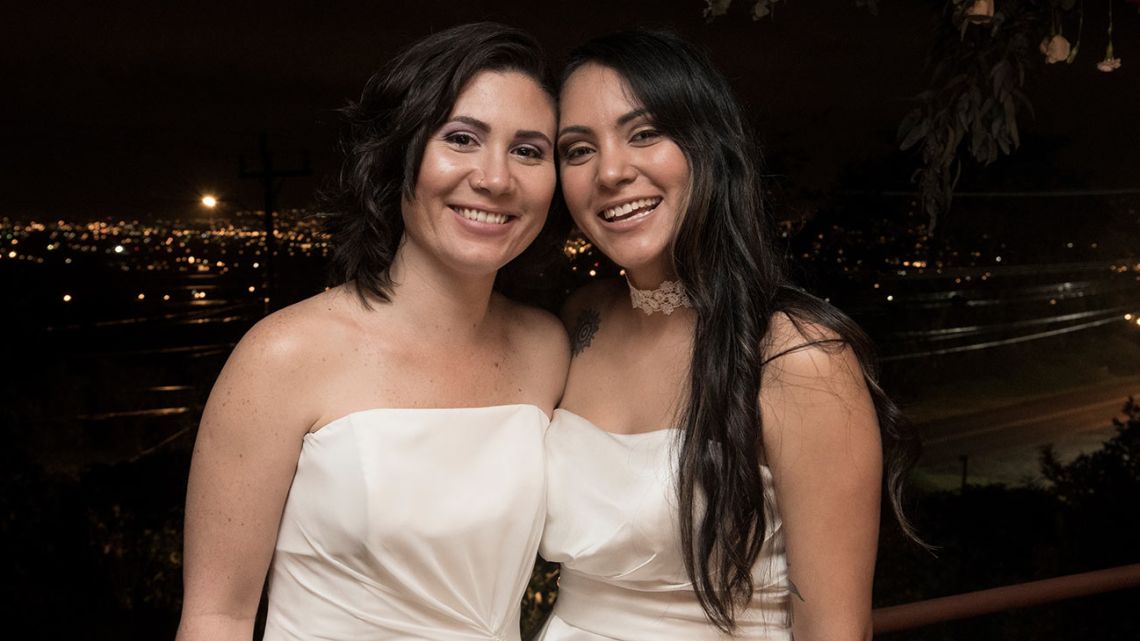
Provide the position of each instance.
(629, 209)
(482, 216)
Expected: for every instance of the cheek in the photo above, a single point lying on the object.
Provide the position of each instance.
(539, 185)
(674, 167)
(576, 189)
(437, 172)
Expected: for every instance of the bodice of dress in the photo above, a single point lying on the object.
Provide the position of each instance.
(612, 523)
(411, 524)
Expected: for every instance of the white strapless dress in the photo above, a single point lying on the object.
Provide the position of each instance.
(411, 524)
(611, 521)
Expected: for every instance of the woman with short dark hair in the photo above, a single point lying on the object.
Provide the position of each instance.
(353, 447)
(715, 464)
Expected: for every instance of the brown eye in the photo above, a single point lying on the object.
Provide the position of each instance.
(646, 135)
(529, 151)
(460, 139)
(576, 153)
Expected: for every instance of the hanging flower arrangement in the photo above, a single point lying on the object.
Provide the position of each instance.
(1110, 62)
(1056, 49)
(980, 12)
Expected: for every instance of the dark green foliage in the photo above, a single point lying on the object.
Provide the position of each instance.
(1099, 494)
(975, 94)
(1085, 519)
(765, 8)
(539, 598)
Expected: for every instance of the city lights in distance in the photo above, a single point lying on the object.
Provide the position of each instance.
(119, 249)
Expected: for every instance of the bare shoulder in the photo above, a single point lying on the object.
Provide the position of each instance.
(537, 331)
(291, 336)
(541, 349)
(812, 387)
(592, 297)
(584, 310)
(273, 369)
(801, 349)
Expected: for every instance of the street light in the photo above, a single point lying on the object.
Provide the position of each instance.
(211, 203)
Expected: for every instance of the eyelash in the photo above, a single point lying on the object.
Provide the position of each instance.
(646, 134)
(534, 152)
(454, 138)
(464, 139)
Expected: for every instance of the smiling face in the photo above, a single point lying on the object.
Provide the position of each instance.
(624, 182)
(487, 176)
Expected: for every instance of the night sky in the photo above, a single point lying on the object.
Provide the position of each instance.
(133, 109)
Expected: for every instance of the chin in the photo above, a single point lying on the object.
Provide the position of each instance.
(637, 259)
(481, 265)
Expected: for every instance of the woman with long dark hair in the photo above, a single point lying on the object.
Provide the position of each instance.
(716, 462)
(353, 445)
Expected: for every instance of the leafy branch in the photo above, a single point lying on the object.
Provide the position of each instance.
(975, 95)
(764, 8)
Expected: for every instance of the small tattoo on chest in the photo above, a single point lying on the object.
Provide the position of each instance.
(584, 329)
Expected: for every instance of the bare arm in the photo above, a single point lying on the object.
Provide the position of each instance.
(822, 442)
(243, 464)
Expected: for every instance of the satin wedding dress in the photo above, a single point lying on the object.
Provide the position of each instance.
(612, 524)
(411, 524)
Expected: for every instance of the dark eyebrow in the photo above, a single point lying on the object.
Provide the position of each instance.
(485, 128)
(528, 134)
(575, 129)
(474, 122)
(633, 115)
(621, 121)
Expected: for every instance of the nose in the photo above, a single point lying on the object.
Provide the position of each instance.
(493, 176)
(614, 168)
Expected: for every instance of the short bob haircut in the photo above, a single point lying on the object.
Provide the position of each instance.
(386, 132)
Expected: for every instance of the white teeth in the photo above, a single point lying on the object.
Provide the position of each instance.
(628, 208)
(483, 216)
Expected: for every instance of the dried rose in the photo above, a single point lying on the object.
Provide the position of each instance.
(980, 11)
(1055, 49)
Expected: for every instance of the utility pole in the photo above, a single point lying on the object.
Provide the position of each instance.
(270, 178)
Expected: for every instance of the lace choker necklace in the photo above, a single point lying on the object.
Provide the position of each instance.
(668, 296)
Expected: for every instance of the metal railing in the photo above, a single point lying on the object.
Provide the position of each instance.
(1020, 595)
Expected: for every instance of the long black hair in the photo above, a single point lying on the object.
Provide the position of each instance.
(386, 132)
(723, 254)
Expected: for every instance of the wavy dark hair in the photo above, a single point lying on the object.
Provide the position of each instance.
(386, 132)
(722, 252)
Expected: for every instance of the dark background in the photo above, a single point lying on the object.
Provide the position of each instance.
(126, 109)
(115, 118)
